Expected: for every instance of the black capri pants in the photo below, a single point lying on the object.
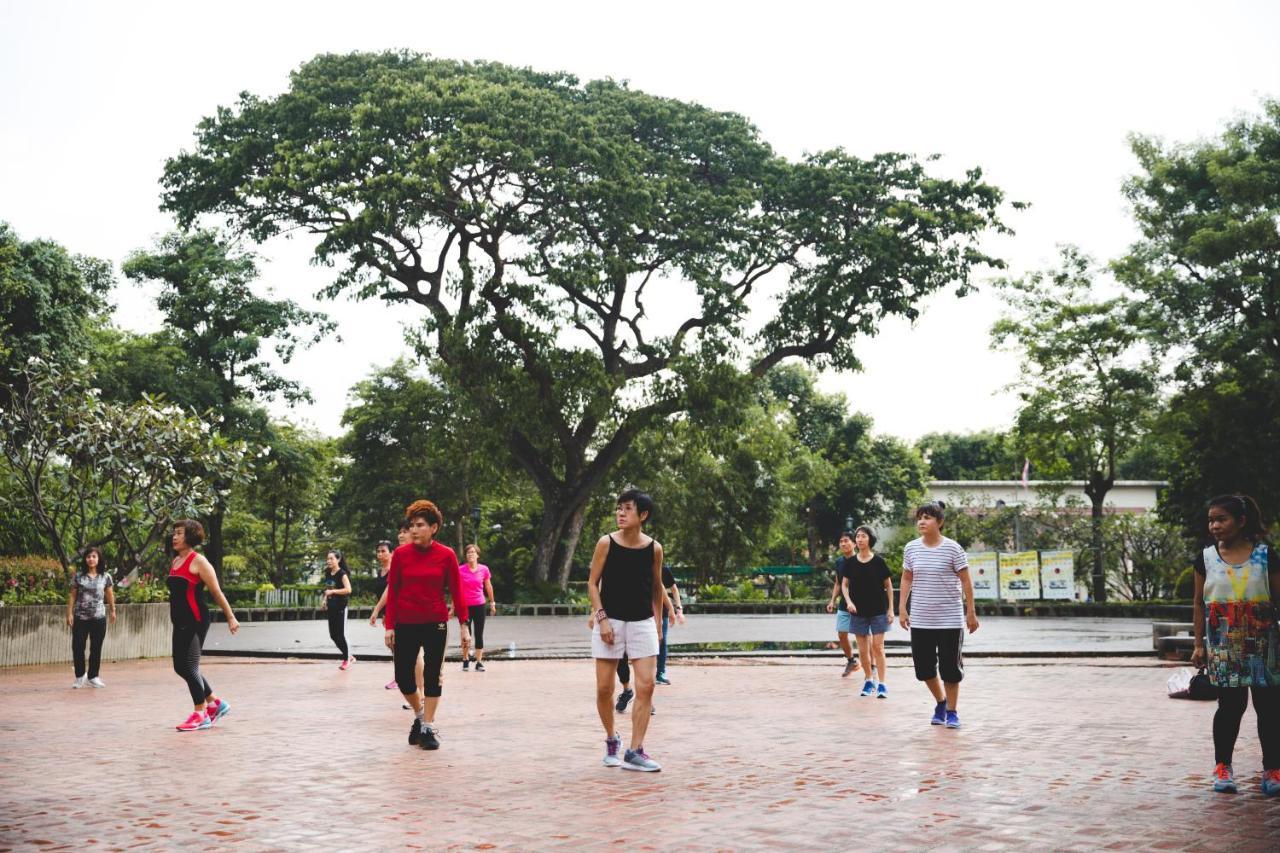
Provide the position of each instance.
(431, 637)
(476, 618)
(93, 630)
(934, 649)
(188, 640)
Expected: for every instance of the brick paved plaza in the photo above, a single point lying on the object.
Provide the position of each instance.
(756, 754)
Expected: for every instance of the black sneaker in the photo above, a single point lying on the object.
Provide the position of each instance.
(415, 732)
(624, 699)
(466, 665)
(429, 738)
(479, 666)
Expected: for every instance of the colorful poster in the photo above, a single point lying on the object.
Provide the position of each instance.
(983, 573)
(1057, 574)
(1020, 575)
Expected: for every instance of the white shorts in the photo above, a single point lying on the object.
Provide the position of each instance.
(634, 639)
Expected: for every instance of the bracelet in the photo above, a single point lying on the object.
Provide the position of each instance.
(600, 614)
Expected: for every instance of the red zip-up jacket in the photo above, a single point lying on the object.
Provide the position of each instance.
(415, 585)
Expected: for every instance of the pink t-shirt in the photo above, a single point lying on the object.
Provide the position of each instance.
(473, 583)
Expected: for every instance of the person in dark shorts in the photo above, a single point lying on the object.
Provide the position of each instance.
(867, 588)
(939, 592)
(844, 619)
(87, 610)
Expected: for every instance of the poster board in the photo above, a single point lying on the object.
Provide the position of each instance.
(983, 571)
(1020, 575)
(1057, 574)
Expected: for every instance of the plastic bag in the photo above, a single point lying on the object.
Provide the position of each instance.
(1180, 683)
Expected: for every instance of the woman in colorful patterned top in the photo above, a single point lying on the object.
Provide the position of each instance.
(1237, 584)
(91, 595)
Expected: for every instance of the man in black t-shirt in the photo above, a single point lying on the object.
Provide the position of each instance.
(843, 616)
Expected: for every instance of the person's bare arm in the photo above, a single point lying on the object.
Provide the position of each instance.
(970, 608)
(493, 599)
(210, 578)
(659, 591)
(71, 608)
(844, 591)
(377, 608)
(904, 595)
(888, 594)
(111, 603)
(593, 590)
(679, 611)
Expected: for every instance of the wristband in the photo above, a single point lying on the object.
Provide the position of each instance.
(600, 614)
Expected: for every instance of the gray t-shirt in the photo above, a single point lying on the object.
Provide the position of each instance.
(91, 590)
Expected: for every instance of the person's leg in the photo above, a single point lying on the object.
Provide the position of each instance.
(605, 670)
(338, 630)
(433, 648)
(624, 673)
(202, 632)
(646, 670)
(864, 655)
(877, 652)
(79, 633)
(1266, 704)
(406, 655)
(951, 663)
(1232, 702)
(477, 614)
(186, 663)
(845, 645)
(417, 671)
(662, 646)
(97, 633)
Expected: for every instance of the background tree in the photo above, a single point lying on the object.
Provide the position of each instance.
(1090, 381)
(94, 473)
(49, 301)
(983, 455)
(1208, 268)
(536, 219)
(213, 316)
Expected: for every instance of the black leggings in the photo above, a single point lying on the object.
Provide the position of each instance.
(188, 639)
(338, 629)
(431, 637)
(624, 670)
(1232, 702)
(476, 617)
(95, 630)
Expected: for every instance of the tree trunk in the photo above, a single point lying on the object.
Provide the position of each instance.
(572, 533)
(1096, 487)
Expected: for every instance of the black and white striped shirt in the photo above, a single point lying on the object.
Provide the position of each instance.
(937, 598)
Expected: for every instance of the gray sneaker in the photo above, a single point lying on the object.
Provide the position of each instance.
(636, 759)
(849, 667)
(612, 746)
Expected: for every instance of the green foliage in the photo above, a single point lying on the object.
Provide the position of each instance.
(32, 579)
(985, 455)
(49, 300)
(743, 591)
(95, 473)
(511, 205)
(146, 589)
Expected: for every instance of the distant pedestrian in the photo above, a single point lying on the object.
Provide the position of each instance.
(189, 574)
(336, 599)
(91, 597)
(1237, 595)
(422, 574)
(844, 619)
(937, 588)
(867, 587)
(625, 585)
(477, 591)
(672, 612)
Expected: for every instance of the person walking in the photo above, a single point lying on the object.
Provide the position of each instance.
(477, 591)
(422, 575)
(402, 538)
(91, 597)
(672, 612)
(939, 592)
(625, 585)
(1237, 590)
(867, 588)
(189, 575)
(381, 553)
(844, 619)
(336, 599)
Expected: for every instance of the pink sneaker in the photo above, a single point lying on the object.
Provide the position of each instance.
(346, 664)
(391, 685)
(198, 720)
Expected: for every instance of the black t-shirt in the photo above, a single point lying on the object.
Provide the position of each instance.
(379, 586)
(335, 581)
(668, 579)
(866, 584)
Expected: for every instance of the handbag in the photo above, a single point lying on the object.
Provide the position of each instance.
(1201, 687)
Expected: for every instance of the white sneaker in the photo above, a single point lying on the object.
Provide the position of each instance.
(80, 682)
(97, 682)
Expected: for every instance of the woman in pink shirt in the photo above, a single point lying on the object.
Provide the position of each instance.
(476, 591)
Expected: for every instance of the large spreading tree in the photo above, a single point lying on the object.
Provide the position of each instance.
(592, 260)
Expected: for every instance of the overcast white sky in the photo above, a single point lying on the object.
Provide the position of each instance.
(95, 96)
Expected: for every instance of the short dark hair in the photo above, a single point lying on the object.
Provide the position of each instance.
(84, 560)
(933, 509)
(425, 510)
(192, 531)
(404, 523)
(384, 543)
(642, 502)
(871, 536)
(846, 534)
(1243, 506)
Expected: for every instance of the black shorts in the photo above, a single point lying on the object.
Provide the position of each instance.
(938, 648)
(431, 638)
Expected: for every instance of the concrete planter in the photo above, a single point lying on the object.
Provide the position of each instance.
(39, 634)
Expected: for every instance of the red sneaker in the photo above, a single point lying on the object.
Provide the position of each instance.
(198, 720)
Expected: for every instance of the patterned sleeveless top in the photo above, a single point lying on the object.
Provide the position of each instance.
(1240, 620)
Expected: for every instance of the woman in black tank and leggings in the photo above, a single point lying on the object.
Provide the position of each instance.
(338, 578)
(189, 613)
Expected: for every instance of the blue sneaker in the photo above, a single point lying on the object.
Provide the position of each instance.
(636, 759)
(953, 720)
(882, 692)
(1224, 781)
(939, 714)
(1271, 782)
(218, 711)
(868, 688)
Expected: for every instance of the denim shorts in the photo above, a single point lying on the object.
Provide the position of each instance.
(864, 626)
(844, 621)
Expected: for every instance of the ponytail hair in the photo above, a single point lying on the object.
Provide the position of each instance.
(1244, 509)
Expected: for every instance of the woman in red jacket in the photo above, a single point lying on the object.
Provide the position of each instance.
(417, 615)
